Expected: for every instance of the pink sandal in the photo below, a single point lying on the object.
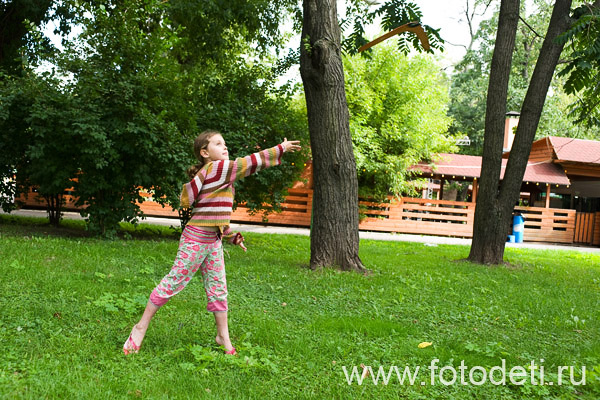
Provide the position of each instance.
(130, 346)
(231, 352)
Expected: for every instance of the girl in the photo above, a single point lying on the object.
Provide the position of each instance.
(210, 193)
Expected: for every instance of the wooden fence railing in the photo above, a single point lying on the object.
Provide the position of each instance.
(548, 224)
(596, 240)
(296, 210)
(33, 199)
(406, 215)
(420, 216)
(584, 227)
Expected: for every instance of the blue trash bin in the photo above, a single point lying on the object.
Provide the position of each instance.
(518, 228)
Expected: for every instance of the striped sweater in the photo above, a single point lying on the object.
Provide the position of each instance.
(211, 191)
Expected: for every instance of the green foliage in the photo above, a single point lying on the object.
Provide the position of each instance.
(51, 165)
(219, 32)
(37, 138)
(130, 110)
(583, 67)
(115, 125)
(13, 106)
(230, 86)
(468, 95)
(392, 13)
(398, 117)
(17, 17)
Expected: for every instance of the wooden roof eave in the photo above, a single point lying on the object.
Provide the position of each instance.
(579, 168)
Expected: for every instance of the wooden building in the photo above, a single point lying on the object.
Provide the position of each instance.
(542, 223)
(580, 161)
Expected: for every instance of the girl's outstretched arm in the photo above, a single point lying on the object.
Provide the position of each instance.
(223, 172)
(227, 171)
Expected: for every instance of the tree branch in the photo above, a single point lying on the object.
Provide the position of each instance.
(457, 45)
(530, 28)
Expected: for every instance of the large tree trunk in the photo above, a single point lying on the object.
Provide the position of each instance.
(495, 205)
(491, 224)
(334, 231)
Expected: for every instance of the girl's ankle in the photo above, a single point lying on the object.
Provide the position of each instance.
(140, 327)
(222, 341)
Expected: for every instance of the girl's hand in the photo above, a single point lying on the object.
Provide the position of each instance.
(238, 240)
(290, 145)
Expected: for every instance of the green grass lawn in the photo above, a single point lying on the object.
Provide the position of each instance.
(68, 303)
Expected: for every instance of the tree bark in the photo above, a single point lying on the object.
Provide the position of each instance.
(495, 205)
(334, 230)
(533, 104)
(54, 208)
(490, 224)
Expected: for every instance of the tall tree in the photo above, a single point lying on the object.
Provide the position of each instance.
(334, 231)
(497, 198)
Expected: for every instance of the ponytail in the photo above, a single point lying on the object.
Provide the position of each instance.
(193, 170)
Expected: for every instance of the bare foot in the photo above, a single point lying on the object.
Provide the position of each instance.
(137, 336)
(224, 342)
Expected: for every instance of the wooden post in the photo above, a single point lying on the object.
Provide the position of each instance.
(441, 189)
(531, 198)
(547, 195)
(474, 194)
(572, 206)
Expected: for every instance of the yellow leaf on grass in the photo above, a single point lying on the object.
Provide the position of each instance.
(422, 345)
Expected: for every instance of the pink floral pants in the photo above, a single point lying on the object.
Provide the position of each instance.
(198, 249)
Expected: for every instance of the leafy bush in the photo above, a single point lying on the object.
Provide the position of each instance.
(398, 117)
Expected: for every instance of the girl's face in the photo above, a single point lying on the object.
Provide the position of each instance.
(216, 149)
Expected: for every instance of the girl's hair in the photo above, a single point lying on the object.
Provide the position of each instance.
(201, 142)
